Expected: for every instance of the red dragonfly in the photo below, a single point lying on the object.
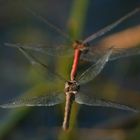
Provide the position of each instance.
(59, 46)
(72, 90)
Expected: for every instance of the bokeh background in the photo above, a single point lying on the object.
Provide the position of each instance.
(119, 81)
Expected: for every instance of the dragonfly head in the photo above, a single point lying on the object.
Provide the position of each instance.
(72, 86)
(80, 45)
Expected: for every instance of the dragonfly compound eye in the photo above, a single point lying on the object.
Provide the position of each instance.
(84, 47)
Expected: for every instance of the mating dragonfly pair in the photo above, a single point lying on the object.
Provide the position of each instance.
(81, 50)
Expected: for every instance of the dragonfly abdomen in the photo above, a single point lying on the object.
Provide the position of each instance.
(69, 101)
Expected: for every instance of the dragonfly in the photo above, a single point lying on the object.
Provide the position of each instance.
(72, 90)
(59, 46)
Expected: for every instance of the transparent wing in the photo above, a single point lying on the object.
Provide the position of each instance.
(49, 99)
(87, 100)
(57, 42)
(34, 61)
(110, 27)
(52, 50)
(95, 53)
(50, 25)
(95, 69)
(123, 52)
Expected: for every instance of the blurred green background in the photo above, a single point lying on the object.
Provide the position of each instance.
(119, 81)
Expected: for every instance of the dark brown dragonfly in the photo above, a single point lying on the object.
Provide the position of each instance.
(72, 90)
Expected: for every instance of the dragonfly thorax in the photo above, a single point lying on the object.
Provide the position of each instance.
(80, 45)
(72, 87)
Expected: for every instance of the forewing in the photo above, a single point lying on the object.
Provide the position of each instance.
(95, 53)
(56, 42)
(95, 69)
(88, 100)
(57, 49)
(49, 99)
(110, 27)
(124, 52)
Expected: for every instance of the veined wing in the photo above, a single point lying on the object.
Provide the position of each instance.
(34, 61)
(50, 25)
(49, 99)
(123, 52)
(117, 53)
(87, 100)
(52, 50)
(110, 27)
(57, 41)
(95, 69)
